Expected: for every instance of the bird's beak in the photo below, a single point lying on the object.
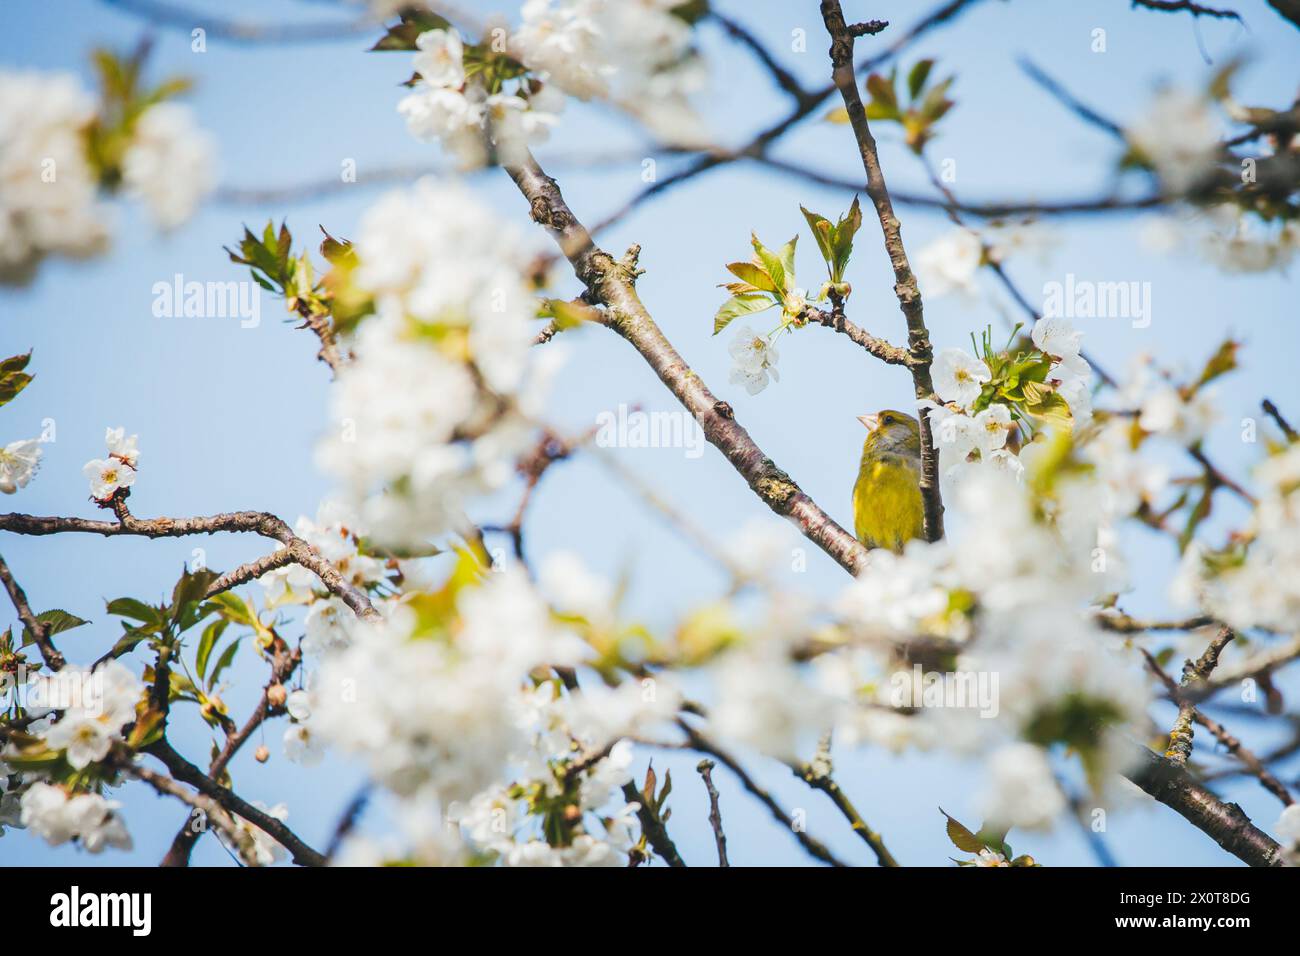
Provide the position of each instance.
(871, 421)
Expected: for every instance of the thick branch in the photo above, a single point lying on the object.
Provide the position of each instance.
(167, 787)
(1225, 823)
(186, 772)
(905, 287)
(610, 283)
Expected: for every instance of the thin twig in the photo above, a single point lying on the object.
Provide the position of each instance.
(705, 769)
(1271, 410)
(812, 845)
(818, 776)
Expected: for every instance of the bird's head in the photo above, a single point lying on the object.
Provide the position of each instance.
(892, 431)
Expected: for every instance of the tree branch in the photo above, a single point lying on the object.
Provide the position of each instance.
(241, 522)
(611, 283)
(905, 287)
(283, 664)
(653, 827)
(705, 770)
(818, 776)
(812, 845)
(186, 772)
(1225, 823)
(40, 632)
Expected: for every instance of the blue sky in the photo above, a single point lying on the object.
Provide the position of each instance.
(228, 416)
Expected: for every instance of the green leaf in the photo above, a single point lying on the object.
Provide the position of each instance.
(136, 610)
(336, 250)
(402, 36)
(917, 76)
(211, 634)
(55, 621)
(1223, 361)
(995, 838)
(752, 273)
(936, 103)
(1200, 511)
(192, 586)
(823, 233)
(147, 729)
(233, 608)
(740, 305)
(1045, 403)
(12, 377)
(961, 837)
(223, 662)
(787, 263)
(127, 642)
(845, 230)
(770, 262)
(839, 115)
(15, 363)
(883, 98)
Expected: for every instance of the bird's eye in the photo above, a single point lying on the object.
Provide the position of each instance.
(887, 419)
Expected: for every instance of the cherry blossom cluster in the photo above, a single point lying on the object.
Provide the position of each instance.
(1006, 596)
(19, 461)
(1253, 581)
(983, 400)
(437, 403)
(485, 102)
(50, 202)
(1182, 139)
(79, 716)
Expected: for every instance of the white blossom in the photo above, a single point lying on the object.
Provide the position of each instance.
(265, 849)
(51, 813)
(754, 361)
(440, 61)
(169, 164)
(121, 446)
(1179, 136)
(990, 428)
(48, 190)
(1022, 791)
(637, 54)
(106, 476)
(1185, 420)
(1287, 829)
(434, 407)
(949, 264)
(18, 463)
(959, 376)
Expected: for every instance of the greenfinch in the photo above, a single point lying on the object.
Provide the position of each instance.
(887, 508)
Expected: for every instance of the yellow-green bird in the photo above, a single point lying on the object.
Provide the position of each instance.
(887, 509)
